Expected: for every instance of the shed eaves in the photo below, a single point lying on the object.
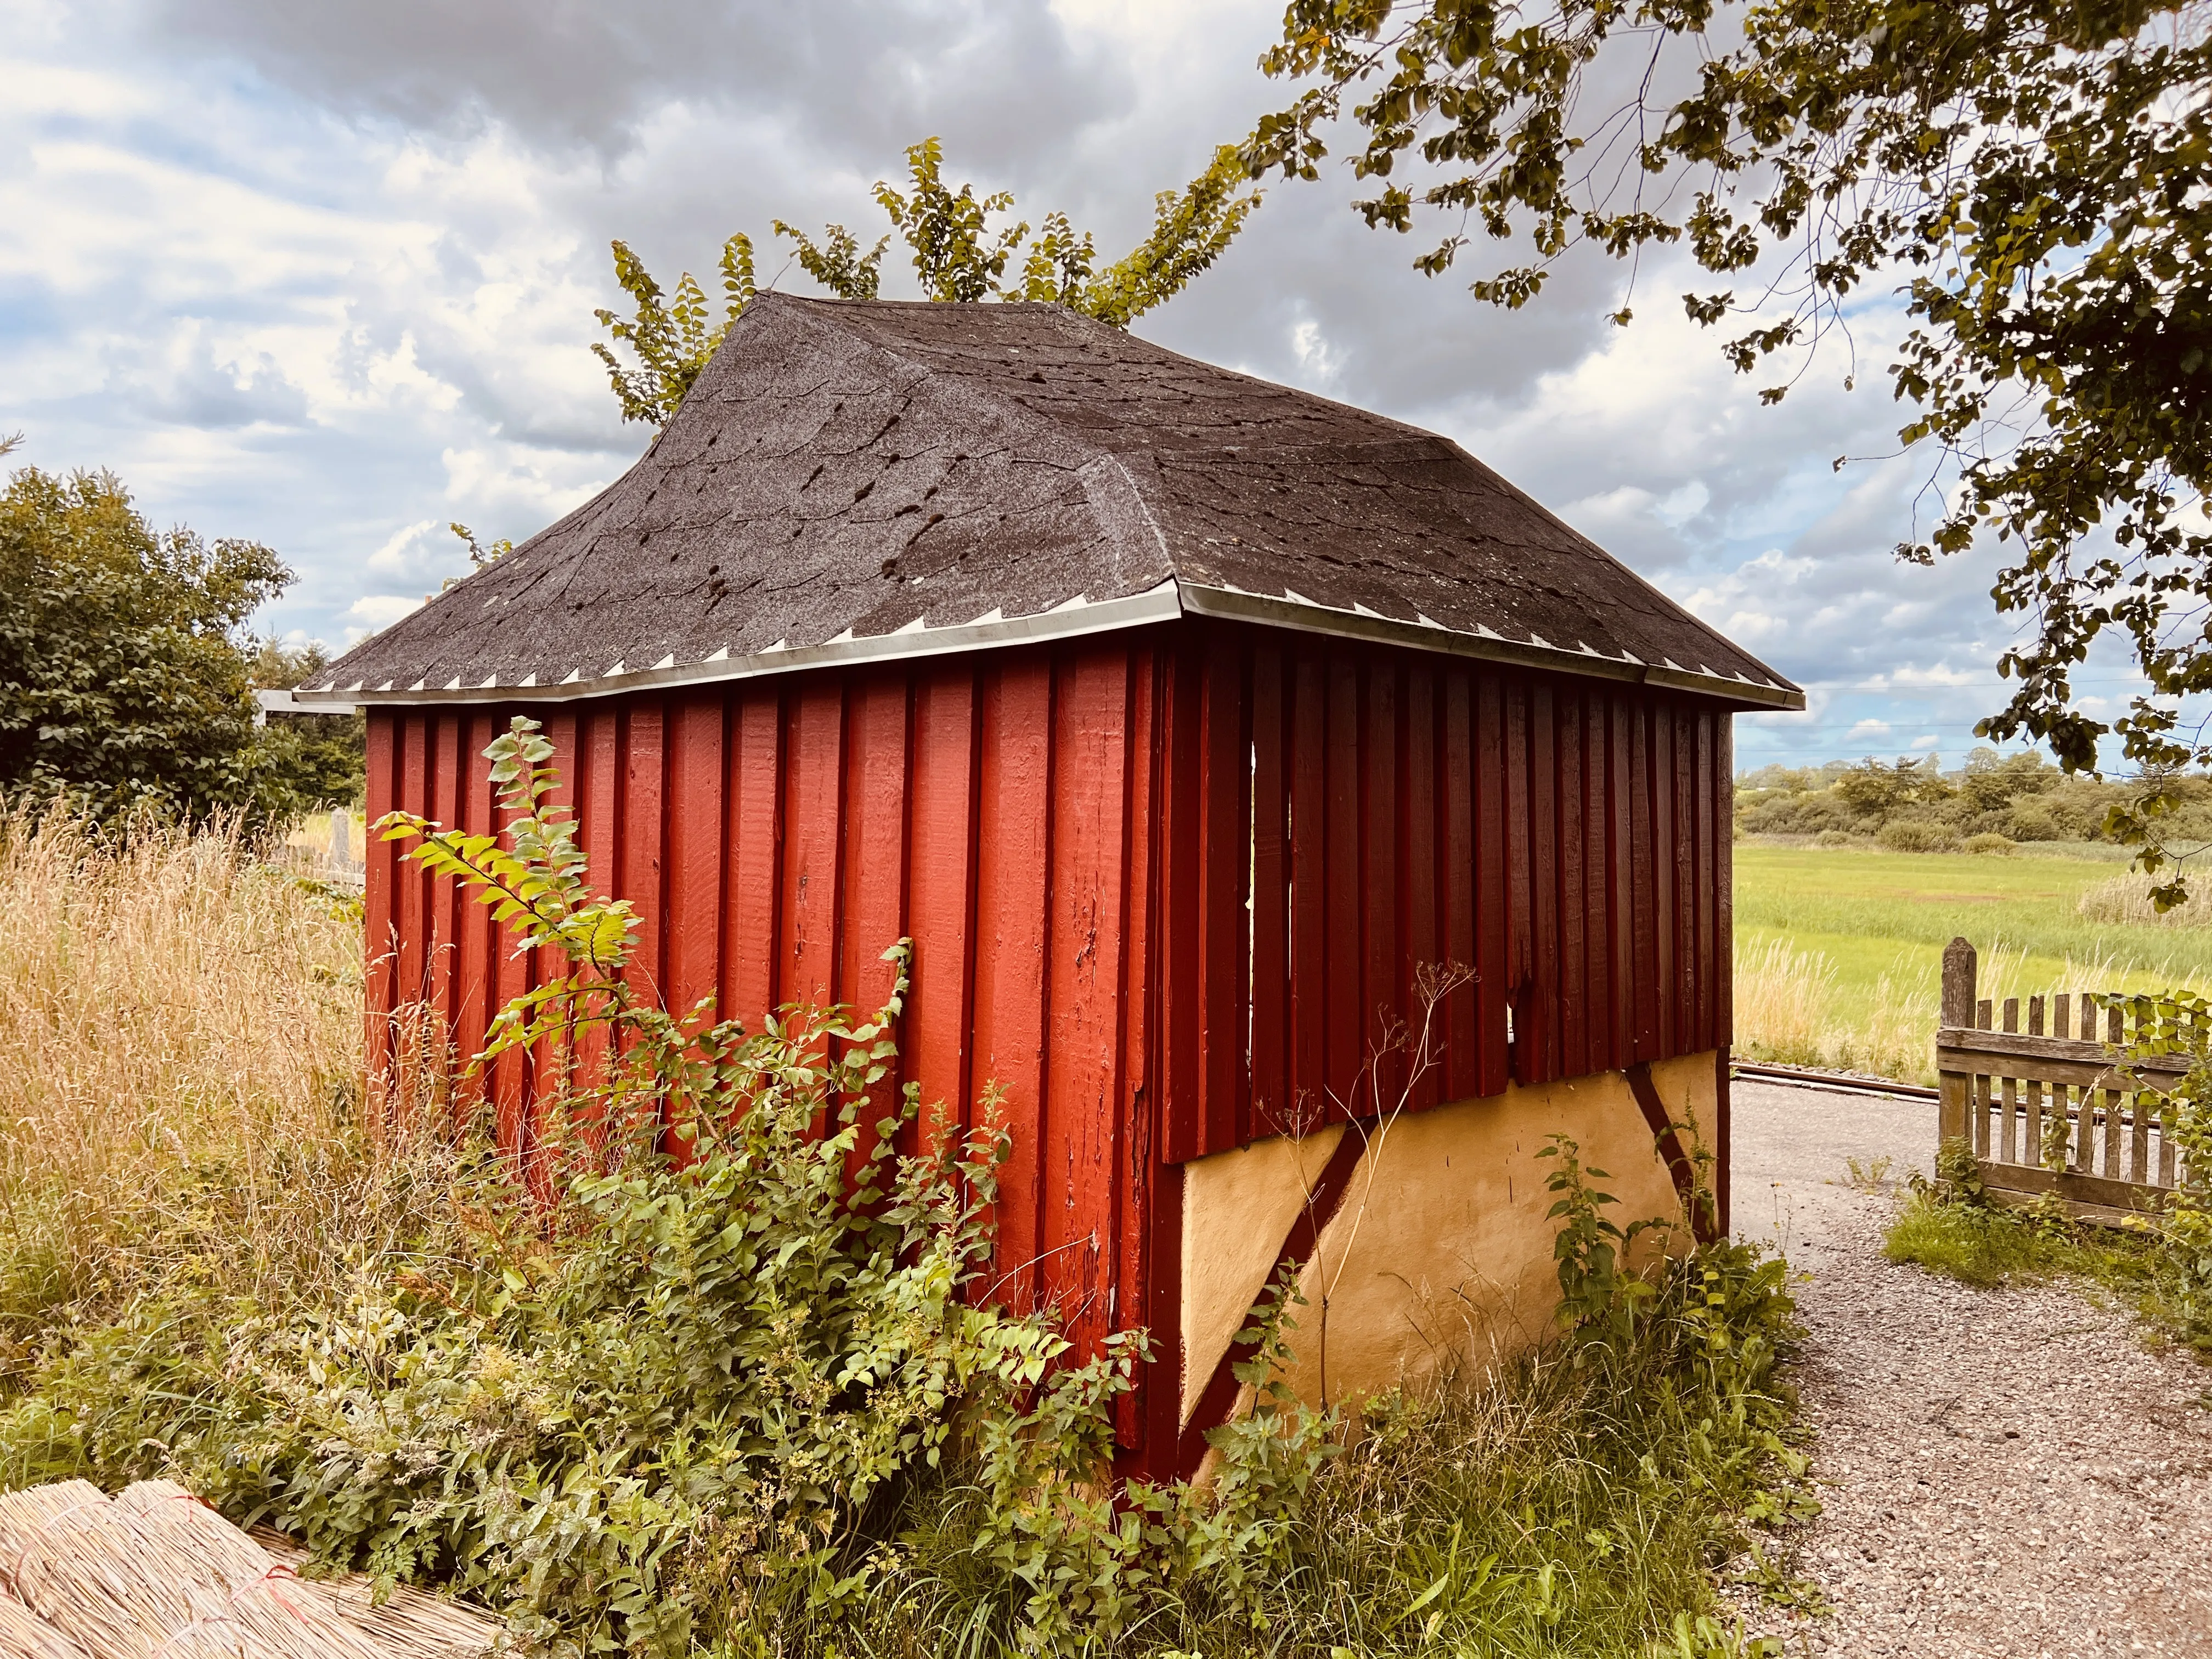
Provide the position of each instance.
(851, 479)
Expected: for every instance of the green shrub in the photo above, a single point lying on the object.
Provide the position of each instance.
(1834, 838)
(1917, 835)
(1990, 841)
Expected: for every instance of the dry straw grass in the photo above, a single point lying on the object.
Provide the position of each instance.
(180, 1037)
(2124, 900)
(1786, 1006)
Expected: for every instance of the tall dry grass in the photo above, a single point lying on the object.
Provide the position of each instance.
(1787, 1009)
(180, 1030)
(2124, 900)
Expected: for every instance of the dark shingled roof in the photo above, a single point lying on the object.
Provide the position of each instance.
(870, 479)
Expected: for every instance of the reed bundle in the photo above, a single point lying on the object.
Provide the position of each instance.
(24, 1635)
(99, 1575)
(261, 1593)
(409, 1623)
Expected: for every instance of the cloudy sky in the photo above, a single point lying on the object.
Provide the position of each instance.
(322, 276)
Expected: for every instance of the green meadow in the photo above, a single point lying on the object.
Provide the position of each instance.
(1838, 950)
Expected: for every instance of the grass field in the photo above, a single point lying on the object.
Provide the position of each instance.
(1838, 951)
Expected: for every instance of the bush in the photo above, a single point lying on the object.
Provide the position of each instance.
(2001, 846)
(1917, 835)
(2032, 820)
(1835, 838)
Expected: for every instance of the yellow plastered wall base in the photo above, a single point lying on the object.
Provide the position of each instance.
(1441, 1248)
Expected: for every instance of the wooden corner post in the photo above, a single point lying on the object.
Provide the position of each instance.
(1960, 964)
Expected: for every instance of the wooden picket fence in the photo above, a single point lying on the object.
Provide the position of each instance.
(2007, 1089)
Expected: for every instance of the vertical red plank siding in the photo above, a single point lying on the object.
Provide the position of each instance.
(694, 787)
(1179, 950)
(1725, 882)
(1493, 957)
(1305, 1090)
(379, 886)
(1458, 868)
(1224, 836)
(1270, 978)
(1420, 897)
(753, 937)
(474, 929)
(813, 817)
(410, 962)
(1341, 955)
(941, 873)
(874, 884)
(642, 837)
(1164, 888)
(1382, 972)
(1574, 1059)
(1011, 943)
(1081, 1135)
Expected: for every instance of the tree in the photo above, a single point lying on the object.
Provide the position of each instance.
(2035, 172)
(960, 255)
(125, 668)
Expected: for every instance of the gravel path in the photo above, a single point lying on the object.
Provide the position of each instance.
(2003, 1473)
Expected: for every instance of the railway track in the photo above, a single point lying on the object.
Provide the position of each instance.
(1798, 1077)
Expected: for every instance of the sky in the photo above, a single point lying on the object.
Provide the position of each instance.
(323, 275)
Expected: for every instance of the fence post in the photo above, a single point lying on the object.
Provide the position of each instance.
(1959, 973)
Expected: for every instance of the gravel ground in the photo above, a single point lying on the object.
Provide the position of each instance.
(2006, 1473)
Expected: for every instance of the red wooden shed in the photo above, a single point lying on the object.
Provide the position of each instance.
(1179, 718)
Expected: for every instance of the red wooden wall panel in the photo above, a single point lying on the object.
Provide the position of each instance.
(1168, 890)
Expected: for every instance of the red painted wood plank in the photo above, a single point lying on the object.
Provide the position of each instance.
(1181, 889)
(1381, 966)
(1271, 916)
(411, 962)
(447, 794)
(1724, 888)
(1644, 900)
(643, 840)
(1686, 954)
(1148, 1211)
(1712, 965)
(1081, 1137)
(1347, 901)
(875, 876)
(697, 773)
(1521, 951)
(1620, 887)
(941, 873)
(1014, 826)
(1494, 955)
(1573, 1022)
(1419, 898)
(752, 937)
(1542, 1043)
(1226, 836)
(1306, 1087)
(813, 814)
(379, 917)
(474, 993)
(1666, 911)
(1457, 873)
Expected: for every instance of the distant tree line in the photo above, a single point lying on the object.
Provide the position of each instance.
(1912, 805)
(127, 668)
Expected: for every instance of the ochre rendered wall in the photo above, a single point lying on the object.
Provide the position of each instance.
(1441, 1247)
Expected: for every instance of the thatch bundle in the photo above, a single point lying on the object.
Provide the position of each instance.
(262, 1594)
(101, 1577)
(24, 1635)
(157, 1574)
(409, 1623)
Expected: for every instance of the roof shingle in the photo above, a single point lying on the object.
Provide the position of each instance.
(873, 478)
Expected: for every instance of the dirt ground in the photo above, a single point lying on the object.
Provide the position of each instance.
(2002, 1473)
